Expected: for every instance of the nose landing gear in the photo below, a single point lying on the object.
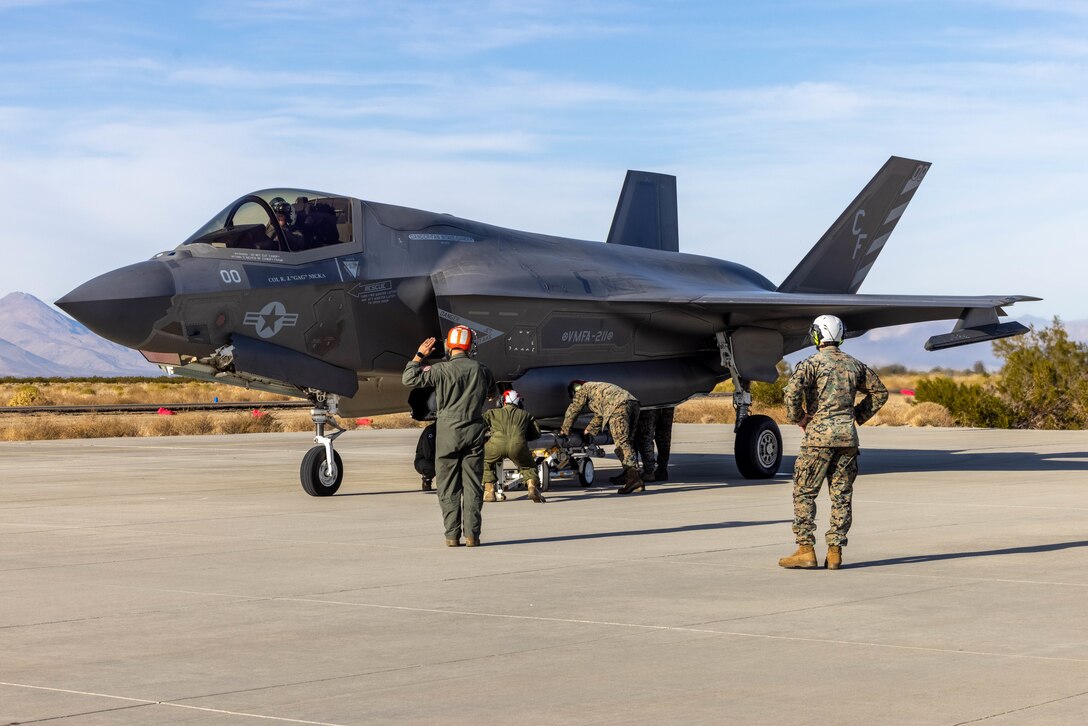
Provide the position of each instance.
(322, 469)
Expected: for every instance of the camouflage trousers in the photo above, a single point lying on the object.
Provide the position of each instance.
(839, 466)
(621, 425)
(654, 427)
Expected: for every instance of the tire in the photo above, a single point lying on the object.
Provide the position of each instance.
(545, 475)
(315, 481)
(585, 472)
(757, 447)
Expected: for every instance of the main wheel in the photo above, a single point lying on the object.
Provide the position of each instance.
(585, 472)
(545, 476)
(758, 447)
(315, 479)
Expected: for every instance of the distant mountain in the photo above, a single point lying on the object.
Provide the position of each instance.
(905, 345)
(38, 340)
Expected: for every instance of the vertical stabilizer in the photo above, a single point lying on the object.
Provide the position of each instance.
(840, 260)
(646, 213)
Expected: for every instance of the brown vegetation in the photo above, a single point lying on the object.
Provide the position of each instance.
(900, 411)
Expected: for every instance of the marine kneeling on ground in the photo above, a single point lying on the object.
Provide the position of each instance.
(616, 408)
(512, 428)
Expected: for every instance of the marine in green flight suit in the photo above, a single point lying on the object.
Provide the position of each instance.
(461, 385)
(512, 428)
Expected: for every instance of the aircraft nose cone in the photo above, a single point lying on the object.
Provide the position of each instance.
(123, 305)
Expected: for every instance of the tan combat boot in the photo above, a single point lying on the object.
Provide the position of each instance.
(632, 482)
(489, 491)
(804, 557)
(472, 541)
(534, 492)
(834, 557)
(450, 542)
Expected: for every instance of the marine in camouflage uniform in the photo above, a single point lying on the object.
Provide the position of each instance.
(654, 427)
(462, 385)
(614, 407)
(820, 397)
(512, 428)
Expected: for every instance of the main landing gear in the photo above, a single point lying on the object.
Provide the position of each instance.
(757, 442)
(322, 469)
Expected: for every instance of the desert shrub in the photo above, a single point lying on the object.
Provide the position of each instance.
(705, 411)
(1044, 378)
(772, 394)
(394, 421)
(247, 423)
(190, 424)
(895, 412)
(928, 413)
(28, 396)
(968, 404)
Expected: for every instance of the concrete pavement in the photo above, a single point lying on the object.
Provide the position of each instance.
(190, 580)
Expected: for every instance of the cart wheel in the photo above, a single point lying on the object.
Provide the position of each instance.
(585, 472)
(545, 476)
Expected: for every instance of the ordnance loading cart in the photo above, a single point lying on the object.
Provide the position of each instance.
(557, 458)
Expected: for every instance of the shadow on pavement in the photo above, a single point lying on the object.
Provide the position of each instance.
(635, 532)
(960, 555)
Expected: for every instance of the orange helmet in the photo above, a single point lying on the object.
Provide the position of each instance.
(460, 337)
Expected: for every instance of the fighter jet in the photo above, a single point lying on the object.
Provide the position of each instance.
(326, 297)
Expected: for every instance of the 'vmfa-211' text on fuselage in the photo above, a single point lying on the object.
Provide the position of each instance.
(326, 297)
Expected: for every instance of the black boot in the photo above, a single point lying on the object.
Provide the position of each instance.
(661, 474)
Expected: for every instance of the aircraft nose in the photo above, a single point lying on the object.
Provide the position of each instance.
(123, 305)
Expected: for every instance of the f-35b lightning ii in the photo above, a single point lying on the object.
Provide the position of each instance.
(326, 297)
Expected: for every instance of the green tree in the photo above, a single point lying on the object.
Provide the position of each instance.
(1044, 378)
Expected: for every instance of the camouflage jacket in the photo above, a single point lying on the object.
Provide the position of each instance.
(824, 386)
(508, 423)
(603, 400)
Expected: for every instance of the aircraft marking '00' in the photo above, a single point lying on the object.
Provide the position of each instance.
(331, 304)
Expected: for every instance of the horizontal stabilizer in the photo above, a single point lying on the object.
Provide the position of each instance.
(840, 260)
(976, 325)
(646, 213)
(966, 336)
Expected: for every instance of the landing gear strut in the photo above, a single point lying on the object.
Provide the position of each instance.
(322, 469)
(757, 442)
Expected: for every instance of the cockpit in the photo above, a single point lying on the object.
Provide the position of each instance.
(285, 220)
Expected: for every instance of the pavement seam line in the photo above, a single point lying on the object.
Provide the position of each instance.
(148, 702)
(685, 629)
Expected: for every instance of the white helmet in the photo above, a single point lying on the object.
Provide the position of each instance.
(827, 329)
(511, 396)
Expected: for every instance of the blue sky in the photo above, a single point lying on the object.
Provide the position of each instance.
(124, 126)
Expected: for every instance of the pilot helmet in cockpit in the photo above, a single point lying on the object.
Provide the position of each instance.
(280, 206)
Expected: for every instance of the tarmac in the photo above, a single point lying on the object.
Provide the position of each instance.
(191, 580)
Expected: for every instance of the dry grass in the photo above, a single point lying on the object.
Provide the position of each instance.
(86, 393)
(40, 427)
(900, 410)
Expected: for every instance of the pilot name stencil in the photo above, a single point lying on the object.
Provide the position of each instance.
(271, 319)
(298, 277)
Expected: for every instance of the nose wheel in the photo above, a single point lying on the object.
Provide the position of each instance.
(322, 469)
(318, 478)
